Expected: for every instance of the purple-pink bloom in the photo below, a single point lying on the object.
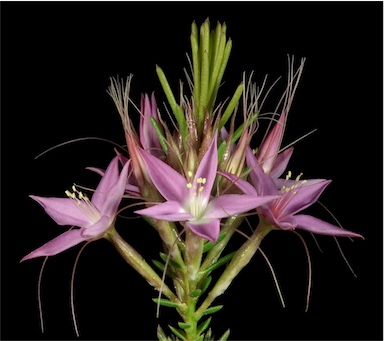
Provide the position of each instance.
(293, 197)
(188, 199)
(92, 217)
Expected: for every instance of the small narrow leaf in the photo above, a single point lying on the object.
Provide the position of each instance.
(231, 106)
(178, 333)
(184, 325)
(166, 303)
(160, 334)
(203, 326)
(160, 134)
(171, 262)
(225, 336)
(195, 293)
(209, 245)
(212, 310)
(206, 284)
(220, 262)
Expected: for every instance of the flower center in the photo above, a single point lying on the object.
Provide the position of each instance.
(287, 193)
(84, 204)
(197, 202)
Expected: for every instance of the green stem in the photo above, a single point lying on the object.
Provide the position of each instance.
(239, 261)
(134, 259)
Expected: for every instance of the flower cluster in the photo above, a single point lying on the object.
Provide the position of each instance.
(196, 183)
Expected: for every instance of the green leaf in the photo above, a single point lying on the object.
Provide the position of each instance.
(166, 303)
(184, 325)
(206, 284)
(221, 261)
(176, 109)
(195, 293)
(178, 333)
(171, 262)
(212, 310)
(209, 245)
(160, 134)
(161, 335)
(231, 106)
(203, 326)
(225, 336)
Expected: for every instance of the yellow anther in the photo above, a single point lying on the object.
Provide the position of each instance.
(70, 195)
(190, 174)
(288, 175)
(304, 181)
(74, 188)
(189, 185)
(201, 189)
(299, 176)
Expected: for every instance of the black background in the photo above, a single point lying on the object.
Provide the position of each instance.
(57, 58)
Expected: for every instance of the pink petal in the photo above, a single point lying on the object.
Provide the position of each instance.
(115, 194)
(315, 225)
(208, 167)
(305, 196)
(168, 211)
(171, 184)
(232, 204)
(281, 163)
(59, 244)
(208, 230)
(263, 182)
(103, 190)
(241, 184)
(63, 211)
(98, 229)
(270, 147)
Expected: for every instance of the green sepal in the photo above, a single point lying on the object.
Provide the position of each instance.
(237, 133)
(200, 338)
(221, 150)
(206, 284)
(171, 262)
(166, 303)
(203, 326)
(212, 310)
(184, 325)
(221, 261)
(225, 336)
(178, 333)
(209, 245)
(231, 106)
(195, 293)
(160, 134)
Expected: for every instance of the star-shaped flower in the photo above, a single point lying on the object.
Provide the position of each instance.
(91, 218)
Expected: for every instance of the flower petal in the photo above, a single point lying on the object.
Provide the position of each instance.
(59, 244)
(231, 204)
(305, 196)
(281, 163)
(168, 211)
(208, 167)
(63, 211)
(103, 190)
(98, 229)
(315, 225)
(241, 184)
(263, 182)
(115, 194)
(209, 230)
(171, 184)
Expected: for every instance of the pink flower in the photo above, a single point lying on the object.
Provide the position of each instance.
(93, 218)
(188, 199)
